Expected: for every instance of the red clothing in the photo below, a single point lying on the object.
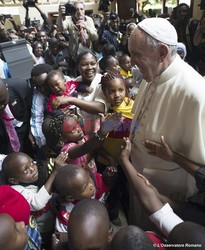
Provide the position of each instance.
(123, 130)
(69, 91)
(157, 242)
(65, 208)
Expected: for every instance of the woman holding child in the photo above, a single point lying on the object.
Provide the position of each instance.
(87, 92)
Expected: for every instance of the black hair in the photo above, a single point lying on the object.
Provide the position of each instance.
(88, 212)
(41, 69)
(56, 125)
(53, 73)
(181, 5)
(187, 232)
(8, 168)
(110, 75)
(108, 50)
(131, 238)
(61, 180)
(82, 54)
(36, 43)
(104, 63)
(43, 173)
(121, 58)
(89, 207)
(51, 141)
(53, 42)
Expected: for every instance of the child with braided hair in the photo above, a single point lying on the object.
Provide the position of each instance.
(114, 89)
(67, 131)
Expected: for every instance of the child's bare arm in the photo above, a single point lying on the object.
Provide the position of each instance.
(90, 107)
(164, 151)
(147, 194)
(58, 163)
(97, 140)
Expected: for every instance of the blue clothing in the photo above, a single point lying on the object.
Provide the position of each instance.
(112, 37)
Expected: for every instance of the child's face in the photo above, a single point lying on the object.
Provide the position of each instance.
(126, 63)
(15, 233)
(113, 65)
(71, 131)
(84, 186)
(57, 85)
(130, 83)
(115, 91)
(26, 170)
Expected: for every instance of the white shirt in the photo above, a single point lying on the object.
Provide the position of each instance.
(36, 198)
(175, 108)
(165, 219)
(37, 117)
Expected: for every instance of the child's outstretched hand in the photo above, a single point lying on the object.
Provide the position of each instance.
(60, 100)
(60, 160)
(110, 123)
(126, 149)
(111, 171)
(161, 150)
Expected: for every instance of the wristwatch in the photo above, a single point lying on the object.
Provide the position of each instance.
(99, 136)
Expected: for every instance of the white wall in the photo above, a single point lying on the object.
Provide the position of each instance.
(34, 14)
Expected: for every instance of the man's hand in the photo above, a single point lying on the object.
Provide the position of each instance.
(61, 10)
(82, 24)
(161, 150)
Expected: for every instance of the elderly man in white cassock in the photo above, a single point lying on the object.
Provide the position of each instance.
(170, 102)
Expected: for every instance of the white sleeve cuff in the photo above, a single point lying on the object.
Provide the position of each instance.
(165, 219)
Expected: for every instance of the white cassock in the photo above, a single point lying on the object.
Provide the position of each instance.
(172, 105)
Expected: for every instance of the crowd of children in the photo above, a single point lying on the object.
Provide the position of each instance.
(74, 172)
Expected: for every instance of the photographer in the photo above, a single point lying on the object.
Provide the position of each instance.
(46, 23)
(112, 34)
(81, 28)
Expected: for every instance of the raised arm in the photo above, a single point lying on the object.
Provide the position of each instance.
(147, 194)
(94, 107)
(46, 23)
(108, 124)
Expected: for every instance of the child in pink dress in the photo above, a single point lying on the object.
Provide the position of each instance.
(69, 133)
